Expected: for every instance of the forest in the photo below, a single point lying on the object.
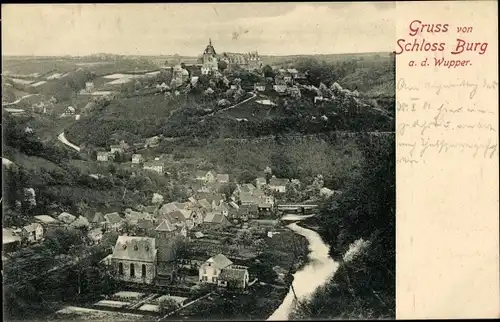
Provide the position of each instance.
(364, 287)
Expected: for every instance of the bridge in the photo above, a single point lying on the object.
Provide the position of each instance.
(296, 207)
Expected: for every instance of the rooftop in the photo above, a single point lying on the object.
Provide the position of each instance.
(233, 274)
(219, 261)
(165, 226)
(135, 248)
(113, 217)
(278, 182)
(46, 219)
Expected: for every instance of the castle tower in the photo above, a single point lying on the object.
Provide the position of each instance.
(209, 59)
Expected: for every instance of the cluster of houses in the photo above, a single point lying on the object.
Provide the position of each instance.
(35, 232)
(113, 150)
(146, 259)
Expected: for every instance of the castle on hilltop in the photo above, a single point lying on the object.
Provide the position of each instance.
(210, 60)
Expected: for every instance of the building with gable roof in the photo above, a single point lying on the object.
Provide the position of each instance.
(210, 270)
(234, 278)
(222, 178)
(113, 221)
(66, 218)
(277, 184)
(135, 259)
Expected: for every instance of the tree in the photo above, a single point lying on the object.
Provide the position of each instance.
(260, 244)
(157, 199)
(268, 71)
(222, 65)
(244, 238)
(167, 304)
(227, 189)
(246, 177)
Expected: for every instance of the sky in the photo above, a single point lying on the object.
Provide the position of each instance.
(184, 29)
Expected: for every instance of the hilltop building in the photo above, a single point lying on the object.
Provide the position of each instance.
(209, 59)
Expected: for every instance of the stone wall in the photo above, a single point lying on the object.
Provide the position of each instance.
(137, 278)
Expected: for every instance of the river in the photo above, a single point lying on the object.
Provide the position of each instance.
(314, 274)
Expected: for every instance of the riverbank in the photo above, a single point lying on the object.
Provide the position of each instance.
(316, 273)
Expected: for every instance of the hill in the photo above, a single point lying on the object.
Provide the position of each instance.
(62, 182)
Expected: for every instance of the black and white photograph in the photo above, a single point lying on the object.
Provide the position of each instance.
(198, 161)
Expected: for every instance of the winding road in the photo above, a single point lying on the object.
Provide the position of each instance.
(63, 139)
(18, 100)
(235, 105)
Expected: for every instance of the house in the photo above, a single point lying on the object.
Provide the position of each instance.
(207, 176)
(199, 234)
(156, 166)
(46, 220)
(223, 208)
(293, 72)
(70, 110)
(113, 221)
(260, 182)
(134, 258)
(98, 220)
(259, 87)
(212, 198)
(177, 218)
(238, 215)
(33, 232)
(247, 198)
(210, 270)
(222, 178)
(103, 156)
(205, 204)
(116, 149)
(66, 218)
(144, 225)
(325, 192)
(234, 278)
(216, 219)
(294, 92)
(95, 235)
(152, 142)
(89, 86)
(168, 208)
(80, 222)
(265, 206)
(278, 185)
(136, 158)
(10, 240)
(251, 210)
(190, 218)
(135, 216)
(280, 88)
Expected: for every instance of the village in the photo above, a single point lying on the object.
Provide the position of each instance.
(216, 237)
(207, 241)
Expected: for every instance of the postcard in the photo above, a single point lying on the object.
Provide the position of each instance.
(250, 161)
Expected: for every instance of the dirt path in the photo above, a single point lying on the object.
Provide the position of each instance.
(63, 139)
